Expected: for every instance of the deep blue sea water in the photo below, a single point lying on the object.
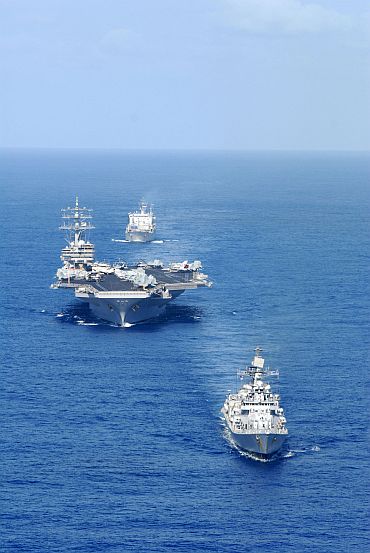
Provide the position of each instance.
(111, 439)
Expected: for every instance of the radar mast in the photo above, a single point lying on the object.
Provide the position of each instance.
(77, 224)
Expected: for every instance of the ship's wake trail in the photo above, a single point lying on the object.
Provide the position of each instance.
(148, 242)
(310, 449)
(78, 314)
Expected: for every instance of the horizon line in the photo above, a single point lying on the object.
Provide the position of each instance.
(194, 150)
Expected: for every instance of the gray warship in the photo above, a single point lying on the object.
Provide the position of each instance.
(141, 224)
(122, 294)
(253, 415)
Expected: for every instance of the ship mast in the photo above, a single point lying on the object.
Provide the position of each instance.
(76, 221)
(145, 208)
(255, 369)
(258, 361)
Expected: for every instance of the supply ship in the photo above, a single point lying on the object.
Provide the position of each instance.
(253, 415)
(119, 293)
(141, 224)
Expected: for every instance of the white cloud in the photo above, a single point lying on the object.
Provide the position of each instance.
(285, 16)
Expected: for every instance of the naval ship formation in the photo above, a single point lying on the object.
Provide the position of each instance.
(119, 293)
(126, 295)
(253, 415)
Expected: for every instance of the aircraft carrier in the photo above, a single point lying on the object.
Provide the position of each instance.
(122, 294)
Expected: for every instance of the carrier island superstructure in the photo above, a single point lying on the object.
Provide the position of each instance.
(253, 415)
(141, 224)
(119, 293)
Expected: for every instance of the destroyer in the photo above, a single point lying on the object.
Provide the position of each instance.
(253, 415)
(141, 224)
(122, 294)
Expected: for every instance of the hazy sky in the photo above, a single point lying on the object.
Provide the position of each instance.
(243, 74)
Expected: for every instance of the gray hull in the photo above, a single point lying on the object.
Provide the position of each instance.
(263, 445)
(128, 312)
(136, 236)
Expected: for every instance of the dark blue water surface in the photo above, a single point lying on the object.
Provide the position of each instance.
(111, 438)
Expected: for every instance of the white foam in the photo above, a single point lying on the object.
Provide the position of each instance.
(117, 240)
(157, 241)
(288, 454)
(60, 314)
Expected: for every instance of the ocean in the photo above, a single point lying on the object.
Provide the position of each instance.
(111, 438)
